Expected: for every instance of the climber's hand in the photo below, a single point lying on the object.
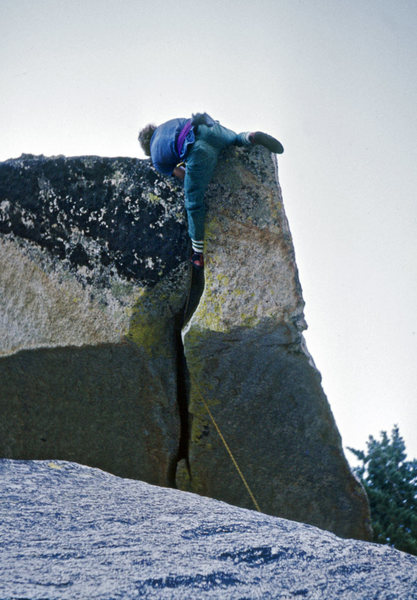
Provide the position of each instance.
(179, 172)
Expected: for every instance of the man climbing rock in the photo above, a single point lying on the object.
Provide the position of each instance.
(189, 149)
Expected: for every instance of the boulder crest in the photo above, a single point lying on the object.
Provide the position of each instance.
(99, 367)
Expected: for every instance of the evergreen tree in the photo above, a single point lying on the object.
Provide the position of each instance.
(391, 484)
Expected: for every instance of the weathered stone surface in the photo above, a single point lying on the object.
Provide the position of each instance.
(87, 322)
(93, 281)
(96, 212)
(102, 405)
(247, 357)
(68, 532)
(83, 238)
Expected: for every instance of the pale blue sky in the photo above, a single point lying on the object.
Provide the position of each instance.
(334, 80)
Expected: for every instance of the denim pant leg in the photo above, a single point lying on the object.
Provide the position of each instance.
(220, 137)
(201, 163)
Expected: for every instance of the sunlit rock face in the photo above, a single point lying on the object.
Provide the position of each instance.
(95, 288)
(69, 531)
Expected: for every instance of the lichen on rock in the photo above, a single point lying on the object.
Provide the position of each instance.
(247, 357)
(95, 280)
(92, 274)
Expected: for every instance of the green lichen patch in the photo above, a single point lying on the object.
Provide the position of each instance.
(182, 477)
(154, 314)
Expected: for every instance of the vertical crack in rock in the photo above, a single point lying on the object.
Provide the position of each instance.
(181, 470)
(182, 399)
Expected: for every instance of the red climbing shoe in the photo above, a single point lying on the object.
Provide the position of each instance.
(197, 260)
(273, 145)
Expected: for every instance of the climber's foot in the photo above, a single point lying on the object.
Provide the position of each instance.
(197, 260)
(264, 139)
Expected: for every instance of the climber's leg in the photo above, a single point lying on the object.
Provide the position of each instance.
(201, 163)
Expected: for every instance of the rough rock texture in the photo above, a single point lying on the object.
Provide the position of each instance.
(247, 357)
(83, 238)
(89, 367)
(73, 532)
(93, 281)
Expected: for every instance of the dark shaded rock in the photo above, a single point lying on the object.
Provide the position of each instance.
(102, 405)
(68, 532)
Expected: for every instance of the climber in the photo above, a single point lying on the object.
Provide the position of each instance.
(189, 149)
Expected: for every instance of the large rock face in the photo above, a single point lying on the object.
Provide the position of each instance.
(89, 365)
(247, 358)
(68, 531)
(94, 283)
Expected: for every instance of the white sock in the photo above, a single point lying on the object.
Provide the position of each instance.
(198, 246)
(247, 137)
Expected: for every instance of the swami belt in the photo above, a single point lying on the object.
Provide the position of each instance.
(182, 135)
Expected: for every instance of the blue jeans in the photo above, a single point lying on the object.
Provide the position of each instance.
(200, 165)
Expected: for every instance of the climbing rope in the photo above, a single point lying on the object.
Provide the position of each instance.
(197, 279)
(226, 445)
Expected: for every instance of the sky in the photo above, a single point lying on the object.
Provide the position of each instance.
(334, 80)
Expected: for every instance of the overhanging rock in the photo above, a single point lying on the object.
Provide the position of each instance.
(247, 358)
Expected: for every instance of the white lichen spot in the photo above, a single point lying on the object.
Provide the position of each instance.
(4, 207)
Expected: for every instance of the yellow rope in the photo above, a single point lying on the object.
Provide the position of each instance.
(227, 446)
